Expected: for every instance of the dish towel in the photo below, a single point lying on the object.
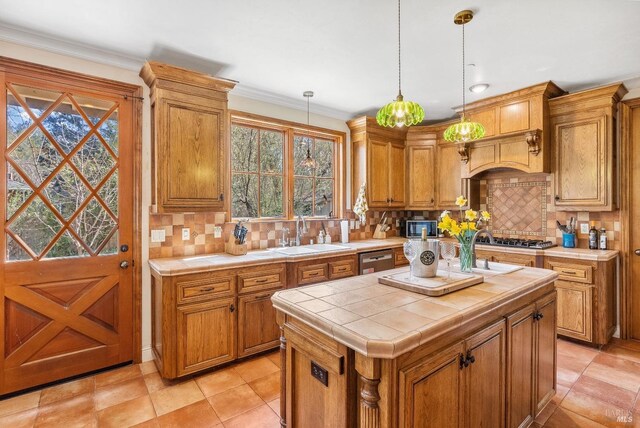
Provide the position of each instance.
(360, 208)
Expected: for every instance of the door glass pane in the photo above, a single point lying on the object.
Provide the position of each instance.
(66, 192)
(38, 100)
(15, 251)
(93, 225)
(66, 246)
(93, 160)
(36, 226)
(244, 149)
(66, 126)
(109, 193)
(109, 131)
(17, 191)
(244, 188)
(303, 196)
(36, 157)
(94, 108)
(271, 196)
(18, 120)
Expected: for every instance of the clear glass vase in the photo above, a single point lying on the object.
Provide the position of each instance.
(466, 256)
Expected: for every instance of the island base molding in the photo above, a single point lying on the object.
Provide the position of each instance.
(498, 370)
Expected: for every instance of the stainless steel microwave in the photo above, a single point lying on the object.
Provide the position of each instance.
(414, 228)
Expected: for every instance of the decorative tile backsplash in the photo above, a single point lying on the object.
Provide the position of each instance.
(518, 208)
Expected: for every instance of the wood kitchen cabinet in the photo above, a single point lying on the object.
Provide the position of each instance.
(529, 331)
(190, 132)
(202, 320)
(586, 298)
(378, 159)
(462, 385)
(318, 270)
(584, 136)
(527, 260)
(421, 172)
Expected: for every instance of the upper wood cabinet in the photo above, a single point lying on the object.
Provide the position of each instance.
(583, 132)
(421, 172)
(378, 159)
(516, 131)
(190, 129)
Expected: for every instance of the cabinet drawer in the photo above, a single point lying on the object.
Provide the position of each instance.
(313, 273)
(263, 278)
(513, 259)
(342, 269)
(399, 258)
(572, 272)
(198, 289)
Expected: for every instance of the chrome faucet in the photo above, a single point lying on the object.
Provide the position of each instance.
(473, 245)
(300, 230)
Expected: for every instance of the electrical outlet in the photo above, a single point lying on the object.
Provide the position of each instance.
(158, 235)
(217, 232)
(584, 228)
(186, 234)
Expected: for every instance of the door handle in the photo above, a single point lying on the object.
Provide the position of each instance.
(637, 252)
(124, 264)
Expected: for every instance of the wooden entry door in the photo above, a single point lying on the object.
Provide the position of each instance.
(67, 210)
(633, 280)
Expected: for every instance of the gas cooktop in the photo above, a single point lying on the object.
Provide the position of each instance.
(534, 244)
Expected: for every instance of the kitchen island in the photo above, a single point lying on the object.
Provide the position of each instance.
(357, 353)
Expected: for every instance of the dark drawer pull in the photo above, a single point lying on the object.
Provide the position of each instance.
(314, 273)
(342, 269)
(262, 280)
(262, 296)
(207, 289)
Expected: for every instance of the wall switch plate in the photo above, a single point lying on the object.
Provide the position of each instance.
(397, 223)
(584, 228)
(357, 224)
(352, 224)
(158, 235)
(186, 234)
(217, 232)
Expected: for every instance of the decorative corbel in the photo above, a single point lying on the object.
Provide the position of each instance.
(533, 141)
(463, 150)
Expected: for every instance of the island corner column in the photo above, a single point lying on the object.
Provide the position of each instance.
(369, 370)
(280, 319)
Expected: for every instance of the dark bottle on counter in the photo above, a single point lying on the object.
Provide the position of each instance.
(593, 237)
(603, 239)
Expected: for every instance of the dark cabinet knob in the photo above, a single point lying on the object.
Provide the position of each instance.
(124, 248)
(391, 199)
(432, 200)
(557, 198)
(232, 308)
(471, 358)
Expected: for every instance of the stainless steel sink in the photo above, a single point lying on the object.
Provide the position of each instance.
(494, 268)
(328, 247)
(309, 249)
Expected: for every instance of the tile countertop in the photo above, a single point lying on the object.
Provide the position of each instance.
(384, 322)
(209, 262)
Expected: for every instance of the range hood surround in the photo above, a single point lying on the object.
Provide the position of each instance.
(517, 132)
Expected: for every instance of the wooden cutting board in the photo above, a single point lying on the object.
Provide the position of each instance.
(439, 285)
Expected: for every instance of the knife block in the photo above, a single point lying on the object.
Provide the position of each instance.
(233, 248)
(378, 233)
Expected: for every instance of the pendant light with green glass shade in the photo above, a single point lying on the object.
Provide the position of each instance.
(465, 130)
(400, 112)
(308, 162)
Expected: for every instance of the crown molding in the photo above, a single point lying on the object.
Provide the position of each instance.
(271, 98)
(62, 46)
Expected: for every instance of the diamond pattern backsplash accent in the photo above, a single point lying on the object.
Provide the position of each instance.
(518, 208)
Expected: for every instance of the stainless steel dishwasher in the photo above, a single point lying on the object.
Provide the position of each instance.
(376, 261)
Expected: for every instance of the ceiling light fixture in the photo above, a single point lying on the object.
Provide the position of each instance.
(308, 162)
(465, 130)
(400, 112)
(479, 87)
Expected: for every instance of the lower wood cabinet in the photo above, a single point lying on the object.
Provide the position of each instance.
(257, 327)
(462, 385)
(586, 298)
(319, 270)
(206, 335)
(531, 336)
(527, 260)
(399, 257)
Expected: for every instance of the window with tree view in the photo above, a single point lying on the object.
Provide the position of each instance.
(313, 189)
(257, 165)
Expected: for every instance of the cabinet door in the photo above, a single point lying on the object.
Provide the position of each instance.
(192, 156)
(485, 378)
(574, 310)
(378, 167)
(583, 164)
(546, 341)
(396, 176)
(520, 367)
(431, 392)
(515, 259)
(420, 178)
(399, 258)
(257, 327)
(206, 335)
(343, 268)
(448, 181)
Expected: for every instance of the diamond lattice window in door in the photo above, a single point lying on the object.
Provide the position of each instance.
(62, 176)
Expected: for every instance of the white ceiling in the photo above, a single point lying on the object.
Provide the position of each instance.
(345, 50)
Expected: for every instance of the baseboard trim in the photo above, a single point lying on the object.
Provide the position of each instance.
(147, 354)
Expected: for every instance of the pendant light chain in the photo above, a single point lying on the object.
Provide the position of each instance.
(464, 97)
(399, 57)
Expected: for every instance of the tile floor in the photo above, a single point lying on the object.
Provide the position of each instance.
(595, 388)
